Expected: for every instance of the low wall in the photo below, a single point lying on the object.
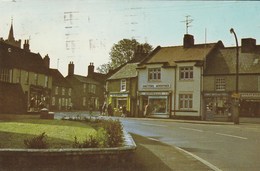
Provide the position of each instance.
(67, 159)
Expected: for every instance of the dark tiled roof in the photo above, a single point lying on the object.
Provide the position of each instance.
(84, 79)
(224, 62)
(173, 54)
(14, 57)
(179, 53)
(58, 79)
(127, 71)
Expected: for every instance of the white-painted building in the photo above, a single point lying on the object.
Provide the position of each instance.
(170, 79)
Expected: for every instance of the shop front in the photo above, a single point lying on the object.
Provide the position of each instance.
(118, 102)
(39, 97)
(250, 104)
(216, 104)
(159, 103)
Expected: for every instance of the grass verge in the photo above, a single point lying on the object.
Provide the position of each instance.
(60, 133)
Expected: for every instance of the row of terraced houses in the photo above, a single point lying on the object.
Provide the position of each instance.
(190, 80)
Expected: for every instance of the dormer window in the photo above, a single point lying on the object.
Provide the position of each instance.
(123, 85)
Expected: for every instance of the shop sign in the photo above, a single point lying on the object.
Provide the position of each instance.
(156, 86)
(250, 95)
(215, 94)
(154, 93)
(118, 95)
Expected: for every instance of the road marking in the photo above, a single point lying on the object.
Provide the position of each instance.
(198, 130)
(213, 167)
(234, 136)
(154, 125)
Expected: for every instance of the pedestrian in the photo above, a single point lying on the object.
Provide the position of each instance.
(123, 111)
(147, 110)
(104, 108)
(110, 110)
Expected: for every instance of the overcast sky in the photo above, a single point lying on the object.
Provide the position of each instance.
(84, 31)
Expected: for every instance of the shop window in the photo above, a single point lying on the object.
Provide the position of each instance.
(154, 74)
(220, 84)
(123, 85)
(186, 73)
(158, 104)
(185, 101)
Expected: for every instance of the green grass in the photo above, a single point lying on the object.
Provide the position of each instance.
(60, 133)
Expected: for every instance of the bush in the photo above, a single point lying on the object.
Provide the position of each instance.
(109, 134)
(91, 142)
(38, 142)
(114, 131)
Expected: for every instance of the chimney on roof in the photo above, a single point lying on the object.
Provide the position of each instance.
(139, 53)
(188, 41)
(26, 45)
(71, 69)
(46, 61)
(248, 45)
(91, 69)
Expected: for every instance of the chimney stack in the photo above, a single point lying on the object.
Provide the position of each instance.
(91, 69)
(188, 41)
(248, 45)
(71, 69)
(26, 45)
(46, 61)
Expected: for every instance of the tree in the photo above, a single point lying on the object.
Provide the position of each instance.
(121, 53)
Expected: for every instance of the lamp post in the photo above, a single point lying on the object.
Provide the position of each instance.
(236, 96)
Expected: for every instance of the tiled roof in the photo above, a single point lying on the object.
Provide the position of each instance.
(14, 57)
(224, 62)
(84, 79)
(173, 54)
(127, 71)
(58, 79)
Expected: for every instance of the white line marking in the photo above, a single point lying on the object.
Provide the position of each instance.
(198, 130)
(234, 136)
(153, 139)
(213, 167)
(154, 125)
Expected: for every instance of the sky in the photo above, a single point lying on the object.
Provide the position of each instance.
(84, 31)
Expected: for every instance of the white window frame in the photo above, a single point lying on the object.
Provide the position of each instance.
(186, 73)
(63, 91)
(56, 90)
(46, 81)
(92, 88)
(154, 74)
(123, 85)
(53, 101)
(185, 101)
(69, 92)
(220, 84)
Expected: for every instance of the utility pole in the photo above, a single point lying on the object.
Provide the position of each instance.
(187, 23)
(236, 95)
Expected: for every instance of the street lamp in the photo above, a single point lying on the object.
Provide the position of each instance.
(236, 96)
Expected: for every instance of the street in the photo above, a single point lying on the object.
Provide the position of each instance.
(221, 146)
